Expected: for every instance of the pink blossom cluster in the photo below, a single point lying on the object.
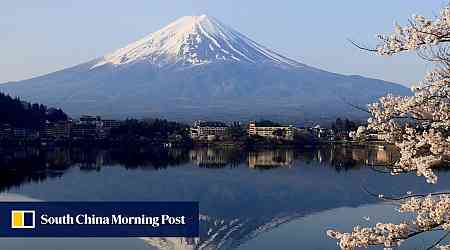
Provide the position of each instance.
(431, 213)
(419, 127)
(421, 31)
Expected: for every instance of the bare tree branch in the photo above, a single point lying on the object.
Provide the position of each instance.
(360, 46)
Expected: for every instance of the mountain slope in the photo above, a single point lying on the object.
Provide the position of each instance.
(199, 68)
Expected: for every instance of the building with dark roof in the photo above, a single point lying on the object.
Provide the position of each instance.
(271, 129)
(208, 130)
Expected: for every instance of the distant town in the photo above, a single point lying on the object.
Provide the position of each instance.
(24, 123)
(94, 129)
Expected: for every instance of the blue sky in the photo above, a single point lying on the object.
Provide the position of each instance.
(38, 37)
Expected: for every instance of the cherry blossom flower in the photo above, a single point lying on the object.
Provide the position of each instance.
(418, 126)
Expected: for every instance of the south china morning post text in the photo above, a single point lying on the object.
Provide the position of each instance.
(115, 219)
(99, 219)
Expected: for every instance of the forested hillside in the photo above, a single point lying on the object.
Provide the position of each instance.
(20, 114)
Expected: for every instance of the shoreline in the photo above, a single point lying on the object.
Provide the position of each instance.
(113, 144)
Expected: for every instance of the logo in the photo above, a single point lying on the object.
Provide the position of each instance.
(22, 219)
(99, 219)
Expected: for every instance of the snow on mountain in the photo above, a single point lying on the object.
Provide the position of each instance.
(195, 40)
(199, 68)
(221, 234)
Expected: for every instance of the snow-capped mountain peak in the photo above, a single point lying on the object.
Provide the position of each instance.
(208, 71)
(194, 40)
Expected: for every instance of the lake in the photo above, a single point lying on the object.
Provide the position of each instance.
(261, 199)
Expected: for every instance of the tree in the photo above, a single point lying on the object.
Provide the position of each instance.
(419, 127)
(339, 125)
(154, 129)
(343, 125)
(236, 132)
(20, 114)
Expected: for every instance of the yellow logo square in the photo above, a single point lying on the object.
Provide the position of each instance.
(21, 219)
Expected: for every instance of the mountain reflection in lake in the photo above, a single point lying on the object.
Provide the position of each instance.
(245, 196)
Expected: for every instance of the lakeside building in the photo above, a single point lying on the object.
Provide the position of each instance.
(93, 127)
(111, 124)
(91, 120)
(24, 133)
(322, 133)
(375, 136)
(271, 129)
(56, 130)
(19, 133)
(83, 130)
(5, 130)
(202, 130)
(85, 127)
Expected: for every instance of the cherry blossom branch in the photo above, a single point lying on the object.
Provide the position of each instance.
(355, 106)
(393, 198)
(361, 47)
(419, 126)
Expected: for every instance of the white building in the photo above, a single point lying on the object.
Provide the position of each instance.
(208, 130)
(110, 124)
(270, 129)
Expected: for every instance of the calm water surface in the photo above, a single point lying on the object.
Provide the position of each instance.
(266, 199)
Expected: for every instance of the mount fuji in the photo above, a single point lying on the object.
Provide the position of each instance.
(199, 68)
